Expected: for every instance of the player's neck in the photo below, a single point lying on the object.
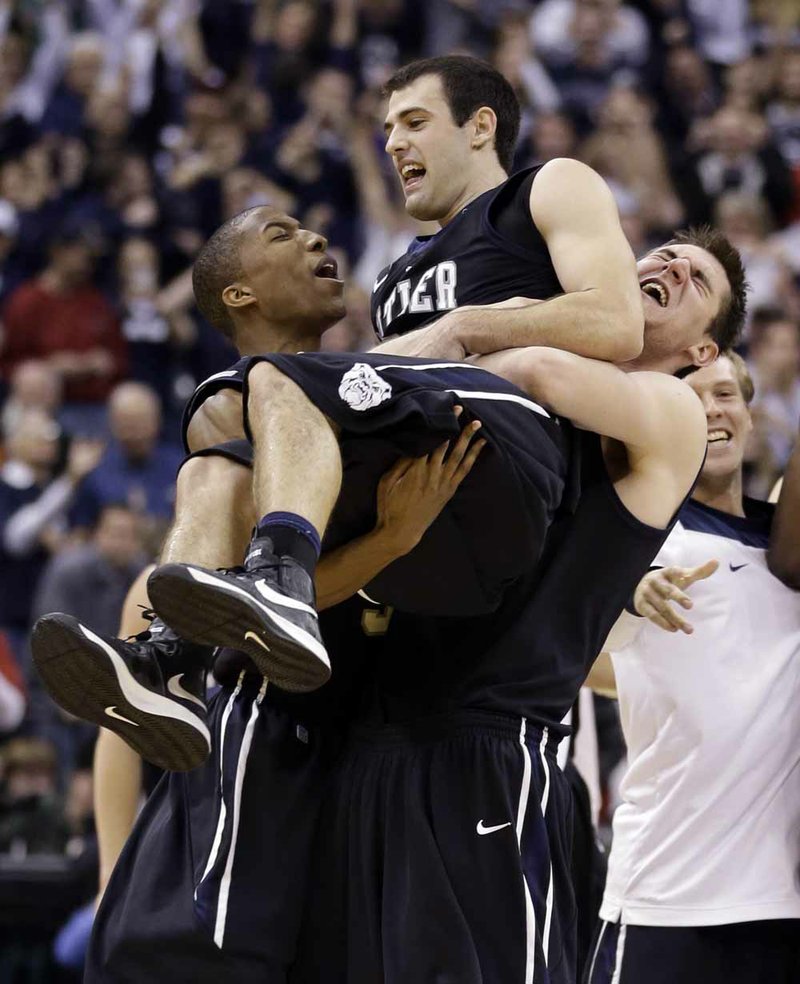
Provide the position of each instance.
(484, 180)
(255, 340)
(723, 493)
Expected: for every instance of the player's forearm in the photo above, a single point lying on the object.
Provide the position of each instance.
(783, 554)
(344, 571)
(117, 788)
(592, 323)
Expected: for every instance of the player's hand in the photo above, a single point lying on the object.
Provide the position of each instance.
(415, 490)
(656, 590)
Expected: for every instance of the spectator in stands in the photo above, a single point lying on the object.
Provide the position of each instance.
(628, 151)
(32, 817)
(783, 115)
(63, 318)
(312, 160)
(27, 72)
(90, 580)
(155, 332)
(34, 385)
(735, 153)
(686, 91)
(137, 468)
(32, 508)
(774, 362)
(65, 111)
(744, 219)
(552, 135)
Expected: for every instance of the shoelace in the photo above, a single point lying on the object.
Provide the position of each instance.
(146, 635)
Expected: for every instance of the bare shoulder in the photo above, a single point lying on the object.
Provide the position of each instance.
(678, 418)
(565, 176)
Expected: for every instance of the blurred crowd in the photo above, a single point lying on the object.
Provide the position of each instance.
(130, 129)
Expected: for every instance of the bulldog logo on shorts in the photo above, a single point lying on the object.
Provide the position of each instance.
(362, 388)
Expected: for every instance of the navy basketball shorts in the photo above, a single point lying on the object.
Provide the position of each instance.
(494, 528)
(761, 952)
(443, 854)
(211, 884)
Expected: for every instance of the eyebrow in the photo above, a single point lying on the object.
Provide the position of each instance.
(280, 224)
(701, 274)
(402, 114)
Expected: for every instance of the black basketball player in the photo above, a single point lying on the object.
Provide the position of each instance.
(211, 883)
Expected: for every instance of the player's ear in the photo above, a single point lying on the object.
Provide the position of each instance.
(704, 353)
(238, 296)
(484, 123)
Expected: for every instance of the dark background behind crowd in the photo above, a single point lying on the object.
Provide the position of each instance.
(130, 129)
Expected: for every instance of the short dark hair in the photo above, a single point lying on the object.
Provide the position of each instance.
(726, 328)
(217, 266)
(469, 83)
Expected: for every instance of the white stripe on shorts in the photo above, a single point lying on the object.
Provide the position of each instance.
(600, 935)
(212, 857)
(241, 765)
(530, 913)
(623, 929)
(433, 365)
(508, 397)
(548, 918)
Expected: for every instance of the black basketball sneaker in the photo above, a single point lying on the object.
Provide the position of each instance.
(265, 609)
(149, 689)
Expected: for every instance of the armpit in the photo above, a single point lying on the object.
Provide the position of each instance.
(218, 419)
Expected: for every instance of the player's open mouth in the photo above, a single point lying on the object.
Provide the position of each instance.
(656, 290)
(412, 175)
(327, 269)
(719, 438)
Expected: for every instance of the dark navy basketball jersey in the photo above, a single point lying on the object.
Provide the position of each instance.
(531, 656)
(489, 252)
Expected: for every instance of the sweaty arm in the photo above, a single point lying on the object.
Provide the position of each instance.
(783, 554)
(117, 768)
(599, 315)
(659, 419)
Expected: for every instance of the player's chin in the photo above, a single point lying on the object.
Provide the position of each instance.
(420, 208)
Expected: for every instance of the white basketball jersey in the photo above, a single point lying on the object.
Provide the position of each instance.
(709, 828)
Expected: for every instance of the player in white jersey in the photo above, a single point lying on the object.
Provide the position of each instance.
(703, 874)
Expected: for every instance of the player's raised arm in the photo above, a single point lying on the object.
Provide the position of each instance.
(600, 314)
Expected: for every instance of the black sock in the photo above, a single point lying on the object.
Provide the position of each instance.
(292, 536)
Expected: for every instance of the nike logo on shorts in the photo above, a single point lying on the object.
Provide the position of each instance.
(490, 830)
(736, 567)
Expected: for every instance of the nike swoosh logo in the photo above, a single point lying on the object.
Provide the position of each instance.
(260, 641)
(490, 830)
(379, 283)
(174, 687)
(736, 567)
(112, 713)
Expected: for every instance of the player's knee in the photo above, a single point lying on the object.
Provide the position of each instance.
(212, 472)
